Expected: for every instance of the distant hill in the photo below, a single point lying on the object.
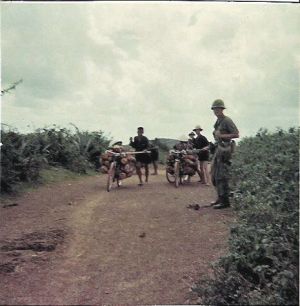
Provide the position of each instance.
(164, 143)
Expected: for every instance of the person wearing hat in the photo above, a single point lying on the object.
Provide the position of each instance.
(202, 143)
(191, 140)
(118, 143)
(141, 143)
(182, 144)
(117, 146)
(224, 131)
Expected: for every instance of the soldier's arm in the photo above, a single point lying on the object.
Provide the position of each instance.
(227, 136)
(231, 128)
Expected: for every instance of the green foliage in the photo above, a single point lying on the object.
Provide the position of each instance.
(24, 155)
(263, 260)
(20, 160)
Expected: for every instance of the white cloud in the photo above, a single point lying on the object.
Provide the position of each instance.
(115, 66)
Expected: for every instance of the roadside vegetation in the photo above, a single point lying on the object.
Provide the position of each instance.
(262, 265)
(24, 157)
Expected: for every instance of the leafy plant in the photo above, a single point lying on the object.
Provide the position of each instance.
(24, 155)
(262, 266)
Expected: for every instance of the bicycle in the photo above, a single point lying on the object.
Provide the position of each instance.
(114, 172)
(177, 174)
(181, 165)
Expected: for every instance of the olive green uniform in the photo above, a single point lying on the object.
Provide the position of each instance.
(222, 158)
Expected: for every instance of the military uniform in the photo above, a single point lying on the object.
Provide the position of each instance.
(222, 158)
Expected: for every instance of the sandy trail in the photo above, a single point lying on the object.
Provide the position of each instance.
(133, 245)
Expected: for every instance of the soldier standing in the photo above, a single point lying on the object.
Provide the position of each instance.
(224, 131)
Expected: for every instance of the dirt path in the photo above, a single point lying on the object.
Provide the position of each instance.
(75, 243)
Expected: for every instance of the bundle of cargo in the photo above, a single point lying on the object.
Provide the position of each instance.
(105, 160)
(125, 163)
(170, 163)
(189, 164)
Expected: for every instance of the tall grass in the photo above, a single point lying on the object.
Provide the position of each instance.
(24, 155)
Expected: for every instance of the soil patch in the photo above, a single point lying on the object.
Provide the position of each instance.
(132, 245)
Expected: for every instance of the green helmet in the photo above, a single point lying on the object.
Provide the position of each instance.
(218, 103)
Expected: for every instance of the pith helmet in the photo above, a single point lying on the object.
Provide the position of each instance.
(183, 139)
(118, 143)
(197, 127)
(218, 103)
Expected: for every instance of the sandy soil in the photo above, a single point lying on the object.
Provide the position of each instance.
(75, 243)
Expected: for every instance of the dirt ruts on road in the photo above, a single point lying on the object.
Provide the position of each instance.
(75, 243)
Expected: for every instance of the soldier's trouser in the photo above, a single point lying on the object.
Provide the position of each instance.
(220, 178)
(222, 188)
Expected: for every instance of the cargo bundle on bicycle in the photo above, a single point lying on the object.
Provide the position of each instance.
(179, 164)
(125, 163)
(118, 165)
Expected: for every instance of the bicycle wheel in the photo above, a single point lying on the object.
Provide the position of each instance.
(170, 177)
(110, 176)
(177, 174)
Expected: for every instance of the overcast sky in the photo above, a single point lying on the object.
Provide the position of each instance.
(114, 66)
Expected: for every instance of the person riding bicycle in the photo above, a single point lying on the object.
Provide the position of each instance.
(191, 141)
(117, 147)
(184, 144)
(141, 143)
(181, 145)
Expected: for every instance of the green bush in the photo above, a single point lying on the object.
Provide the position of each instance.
(24, 155)
(20, 160)
(263, 260)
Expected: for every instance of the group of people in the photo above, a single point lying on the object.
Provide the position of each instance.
(224, 132)
(199, 142)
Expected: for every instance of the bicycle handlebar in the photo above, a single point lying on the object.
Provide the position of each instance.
(193, 151)
(125, 153)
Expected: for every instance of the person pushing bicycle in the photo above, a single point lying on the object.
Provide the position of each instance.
(141, 143)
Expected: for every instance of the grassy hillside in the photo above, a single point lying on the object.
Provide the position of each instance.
(164, 145)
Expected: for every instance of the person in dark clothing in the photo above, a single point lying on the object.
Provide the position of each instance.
(191, 140)
(201, 142)
(141, 143)
(154, 158)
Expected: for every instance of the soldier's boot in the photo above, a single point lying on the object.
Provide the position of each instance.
(217, 201)
(224, 203)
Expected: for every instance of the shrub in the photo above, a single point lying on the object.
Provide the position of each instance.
(262, 264)
(24, 155)
(20, 161)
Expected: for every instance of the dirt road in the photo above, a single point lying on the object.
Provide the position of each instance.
(75, 243)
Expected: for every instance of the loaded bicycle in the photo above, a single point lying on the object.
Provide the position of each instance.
(181, 164)
(118, 166)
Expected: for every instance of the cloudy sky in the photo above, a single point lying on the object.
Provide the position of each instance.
(113, 66)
